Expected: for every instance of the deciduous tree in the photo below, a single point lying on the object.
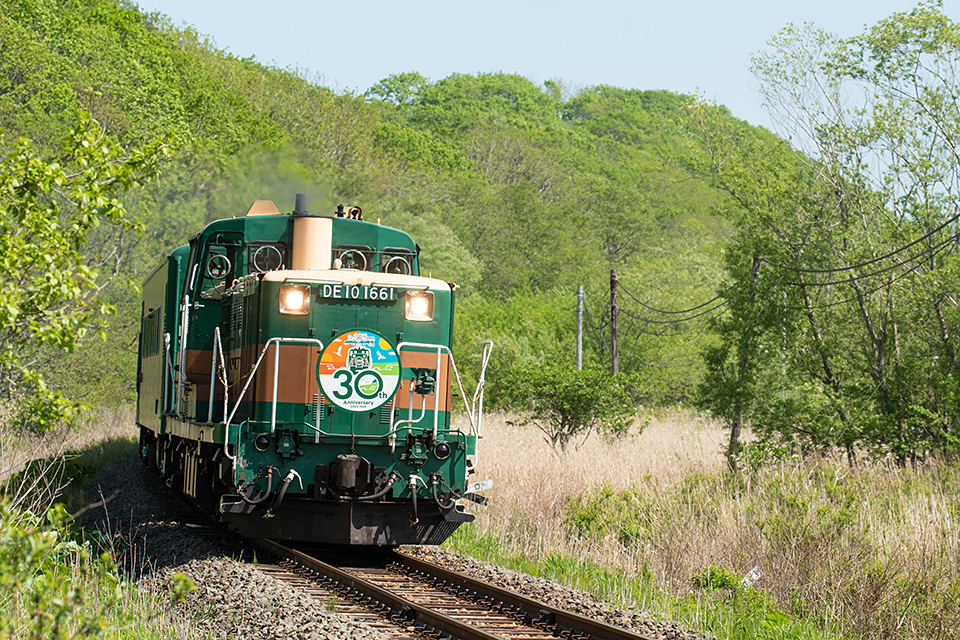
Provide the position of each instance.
(566, 404)
(48, 207)
(843, 323)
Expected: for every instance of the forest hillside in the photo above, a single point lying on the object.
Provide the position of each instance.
(514, 191)
(805, 288)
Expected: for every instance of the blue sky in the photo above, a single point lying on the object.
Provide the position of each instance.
(682, 46)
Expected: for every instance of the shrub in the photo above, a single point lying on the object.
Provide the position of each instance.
(566, 403)
(40, 566)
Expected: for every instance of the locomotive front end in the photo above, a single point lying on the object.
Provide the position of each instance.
(329, 395)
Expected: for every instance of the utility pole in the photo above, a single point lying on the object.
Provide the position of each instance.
(614, 311)
(580, 328)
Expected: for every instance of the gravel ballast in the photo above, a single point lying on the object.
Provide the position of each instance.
(160, 535)
(557, 595)
(155, 535)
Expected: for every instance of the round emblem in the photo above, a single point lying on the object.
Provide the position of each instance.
(359, 371)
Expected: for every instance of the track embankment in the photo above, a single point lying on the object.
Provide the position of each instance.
(241, 594)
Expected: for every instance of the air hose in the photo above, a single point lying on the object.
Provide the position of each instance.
(413, 494)
(283, 490)
(383, 491)
(266, 494)
(433, 482)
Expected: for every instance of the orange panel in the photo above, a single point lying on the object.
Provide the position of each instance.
(296, 376)
(197, 365)
(422, 360)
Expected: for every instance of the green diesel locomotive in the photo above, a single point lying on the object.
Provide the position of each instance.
(295, 380)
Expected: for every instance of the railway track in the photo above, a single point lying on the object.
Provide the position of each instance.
(405, 597)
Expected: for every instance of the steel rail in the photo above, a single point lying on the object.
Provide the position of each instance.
(418, 613)
(565, 621)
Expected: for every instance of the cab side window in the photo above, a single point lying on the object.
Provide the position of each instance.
(219, 266)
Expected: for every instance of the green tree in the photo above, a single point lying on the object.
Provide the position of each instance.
(48, 208)
(565, 403)
(529, 188)
(842, 328)
(400, 90)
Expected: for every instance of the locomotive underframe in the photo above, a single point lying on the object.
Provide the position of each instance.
(188, 468)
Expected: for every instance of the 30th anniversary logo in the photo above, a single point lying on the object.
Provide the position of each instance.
(359, 371)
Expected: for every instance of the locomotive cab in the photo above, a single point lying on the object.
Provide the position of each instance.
(299, 367)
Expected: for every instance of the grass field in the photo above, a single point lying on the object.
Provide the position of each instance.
(656, 522)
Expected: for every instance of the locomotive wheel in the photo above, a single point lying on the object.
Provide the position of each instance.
(148, 448)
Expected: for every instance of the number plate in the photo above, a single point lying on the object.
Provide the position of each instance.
(477, 487)
(358, 292)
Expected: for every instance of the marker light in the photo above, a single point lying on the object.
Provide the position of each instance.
(294, 299)
(419, 306)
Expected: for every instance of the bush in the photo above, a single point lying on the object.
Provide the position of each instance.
(40, 568)
(53, 587)
(565, 403)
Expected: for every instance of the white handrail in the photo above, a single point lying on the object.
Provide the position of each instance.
(276, 366)
(182, 351)
(473, 408)
(217, 350)
(170, 379)
(478, 403)
(470, 407)
(436, 394)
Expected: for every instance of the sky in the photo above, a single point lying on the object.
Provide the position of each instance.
(685, 46)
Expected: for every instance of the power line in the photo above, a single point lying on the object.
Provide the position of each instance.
(930, 251)
(849, 300)
(646, 306)
(868, 262)
(678, 320)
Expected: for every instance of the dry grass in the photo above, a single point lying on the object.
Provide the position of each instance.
(529, 501)
(102, 437)
(873, 552)
(17, 447)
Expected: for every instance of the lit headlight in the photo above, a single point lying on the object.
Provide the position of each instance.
(295, 299)
(419, 306)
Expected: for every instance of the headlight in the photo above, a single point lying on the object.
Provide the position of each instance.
(295, 299)
(419, 306)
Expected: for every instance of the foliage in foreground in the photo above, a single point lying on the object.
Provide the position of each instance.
(54, 587)
(48, 209)
(38, 571)
(58, 581)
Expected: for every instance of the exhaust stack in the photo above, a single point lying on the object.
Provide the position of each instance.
(312, 239)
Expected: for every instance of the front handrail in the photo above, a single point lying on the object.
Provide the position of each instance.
(478, 394)
(436, 396)
(217, 350)
(474, 408)
(170, 380)
(276, 374)
(478, 400)
(475, 415)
